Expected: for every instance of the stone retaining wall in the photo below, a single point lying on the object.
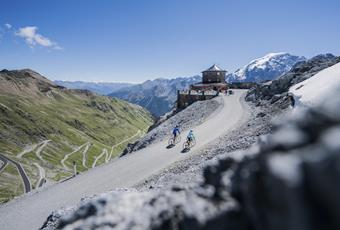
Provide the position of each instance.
(184, 99)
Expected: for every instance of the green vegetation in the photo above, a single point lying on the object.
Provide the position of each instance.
(68, 119)
(11, 184)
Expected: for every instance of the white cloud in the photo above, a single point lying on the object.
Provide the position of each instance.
(8, 26)
(32, 38)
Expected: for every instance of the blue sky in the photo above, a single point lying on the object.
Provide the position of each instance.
(135, 40)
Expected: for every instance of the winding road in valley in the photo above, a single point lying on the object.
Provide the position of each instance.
(86, 145)
(42, 177)
(41, 147)
(5, 162)
(38, 147)
(26, 181)
(107, 157)
(31, 210)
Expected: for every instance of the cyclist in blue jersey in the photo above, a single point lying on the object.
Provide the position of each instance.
(176, 131)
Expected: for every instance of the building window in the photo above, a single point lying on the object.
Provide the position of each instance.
(218, 73)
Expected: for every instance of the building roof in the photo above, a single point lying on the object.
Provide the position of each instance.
(214, 68)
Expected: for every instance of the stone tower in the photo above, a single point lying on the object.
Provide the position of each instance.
(213, 75)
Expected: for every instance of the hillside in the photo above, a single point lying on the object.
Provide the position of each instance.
(158, 96)
(45, 127)
(102, 88)
(268, 67)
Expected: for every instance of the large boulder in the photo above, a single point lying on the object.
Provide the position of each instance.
(292, 183)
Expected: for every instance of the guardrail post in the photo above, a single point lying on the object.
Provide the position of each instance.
(75, 168)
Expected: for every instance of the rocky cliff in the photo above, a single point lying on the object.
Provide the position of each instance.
(301, 71)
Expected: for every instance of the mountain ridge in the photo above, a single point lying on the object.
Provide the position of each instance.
(158, 95)
(102, 88)
(268, 67)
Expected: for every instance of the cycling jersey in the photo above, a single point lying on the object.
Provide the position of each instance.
(176, 131)
(190, 135)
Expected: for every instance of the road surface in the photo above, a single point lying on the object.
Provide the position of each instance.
(5, 162)
(42, 175)
(31, 210)
(26, 181)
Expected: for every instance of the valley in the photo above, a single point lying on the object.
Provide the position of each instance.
(45, 128)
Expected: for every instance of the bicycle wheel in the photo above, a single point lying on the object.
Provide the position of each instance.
(171, 141)
(178, 139)
(186, 145)
(192, 143)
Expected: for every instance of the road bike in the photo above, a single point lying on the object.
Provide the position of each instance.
(174, 140)
(189, 144)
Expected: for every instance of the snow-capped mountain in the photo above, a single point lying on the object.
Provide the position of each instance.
(158, 96)
(269, 67)
(299, 73)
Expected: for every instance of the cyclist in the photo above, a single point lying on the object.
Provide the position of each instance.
(190, 136)
(175, 132)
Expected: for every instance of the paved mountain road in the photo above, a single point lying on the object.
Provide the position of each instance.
(5, 162)
(42, 175)
(26, 181)
(31, 210)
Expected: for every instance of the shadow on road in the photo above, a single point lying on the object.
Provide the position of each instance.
(185, 150)
(170, 146)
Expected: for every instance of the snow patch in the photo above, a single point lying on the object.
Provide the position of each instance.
(315, 90)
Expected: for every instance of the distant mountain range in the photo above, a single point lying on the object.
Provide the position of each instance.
(158, 96)
(269, 67)
(102, 88)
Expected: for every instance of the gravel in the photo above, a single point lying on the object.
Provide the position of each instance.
(189, 171)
